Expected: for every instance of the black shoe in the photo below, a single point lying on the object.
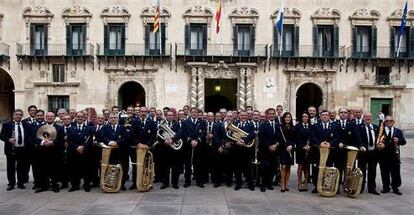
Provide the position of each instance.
(287, 189)
(73, 188)
(228, 184)
(163, 186)
(282, 190)
(251, 187)
(35, 187)
(385, 191)
(40, 190)
(87, 188)
(269, 187)
(397, 191)
(200, 185)
(64, 186)
(21, 186)
(175, 186)
(216, 185)
(187, 184)
(123, 188)
(133, 187)
(237, 187)
(55, 189)
(338, 192)
(157, 180)
(10, 187)
(314, 190)
(262, 189)
(373, 192)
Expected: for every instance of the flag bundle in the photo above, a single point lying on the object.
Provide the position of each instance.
(218, 16)
(157, 17)
(402, 26)
(279, 24)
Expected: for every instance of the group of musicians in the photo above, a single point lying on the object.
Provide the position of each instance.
(263, 157)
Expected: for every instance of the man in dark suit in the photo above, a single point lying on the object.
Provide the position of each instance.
(33, 150)
(269, 141)
(115, 136)
(145, 131)
(314, 119)
(80, 137)
(96, 150)
(15, 135)
(368, 157)
(390, 158)
(348, 136)
(64, 170)
(169, 159)
(32, 115)
(194, 136)
(323, 134)
(49, 152)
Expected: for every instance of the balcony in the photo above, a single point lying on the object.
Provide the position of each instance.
(381, 52)
(53, 50)
(308, 51)
(132, 50)
(4, 50)
(220, 50)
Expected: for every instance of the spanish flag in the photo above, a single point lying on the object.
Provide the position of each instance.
(218, 16)
(157, 17)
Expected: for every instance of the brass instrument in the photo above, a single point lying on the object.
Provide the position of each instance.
(256, 162)
(111, 175)
(328, 177)
(164, 132)
(46, 132)
(381, 137)
(353, 177)
(236, 134)
(145, 170)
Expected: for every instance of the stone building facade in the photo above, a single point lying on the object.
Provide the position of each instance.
(82, 53)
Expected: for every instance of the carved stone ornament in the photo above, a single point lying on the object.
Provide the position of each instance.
(76, 11)
(115, 14)
(148, 14)
(42, 73)
(326, 13)
(243, 15)
(37, 11)
(290, 16)
(397, 15)
(364, 13)
(198, 11)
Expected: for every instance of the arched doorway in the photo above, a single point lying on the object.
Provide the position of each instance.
(308, 94)
(6, 96)
(131, 93)
(220, 93)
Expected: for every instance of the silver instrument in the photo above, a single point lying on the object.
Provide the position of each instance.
(164, 132)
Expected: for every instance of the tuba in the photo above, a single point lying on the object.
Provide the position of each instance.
(111, 175)
(145, 170)
(328, 177)
(165, 132)
(353, 177)
(234, 133)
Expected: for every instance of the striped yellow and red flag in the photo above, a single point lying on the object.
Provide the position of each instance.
(157, 17)
(218, 16)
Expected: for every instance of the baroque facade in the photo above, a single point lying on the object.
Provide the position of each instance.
(83, 53)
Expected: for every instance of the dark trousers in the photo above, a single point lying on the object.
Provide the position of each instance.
(18, 163)
(48, 168)
(338, 157)
(33, 156)
(79, 168)
(194, 157)
(390, 166)
(96, 164)
(368, 161)
(268, 168)
(241, 165)
(157, 152)
(63, 169)
(169, 163)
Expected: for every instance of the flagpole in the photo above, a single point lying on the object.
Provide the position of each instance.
(281, 41)
(221, 35)
(399, 45)
(160, 28)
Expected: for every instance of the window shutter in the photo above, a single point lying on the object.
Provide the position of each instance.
(146, 38)
(187, 37)
(336, 41)
(163, 28)
(68, 40)
(122, 51)
(252, 40)
(354, 42)
(45, 40)
(235, 40)
(296, 40)
(84, 40)
(275, 41)
(392, 42)
(411, 42)
(315, 41)
(205, 39)
(32, 39)
(373, 42)
(106, 39)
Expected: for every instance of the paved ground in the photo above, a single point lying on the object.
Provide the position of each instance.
(210, 200)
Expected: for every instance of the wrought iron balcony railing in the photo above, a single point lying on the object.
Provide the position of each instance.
(221, 50)
(132, 49)
(54, 50)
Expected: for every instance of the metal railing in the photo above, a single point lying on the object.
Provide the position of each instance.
(4, 49)
(308, 51)
(224, 50)
(132, 49)
(53, 50)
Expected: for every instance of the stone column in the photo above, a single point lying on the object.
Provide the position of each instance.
(249, 87)
(242, 88)
(193, 87)
(200, 88)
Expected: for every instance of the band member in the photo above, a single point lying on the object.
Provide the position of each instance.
(313, 115)
(279, 113)
(287, 134)
(126, 121)
(32, 114)
(210, 149)
(64, 169)
(169, 159)
(390, 159)
(194, 135)
(106, 114)
(323, 134)
(40, 120)
(49, 152)
(181, 118)
(241, 162)
(348, 136)
(79, 149)
(332, 116)
(60, 114)
(368, 159)
(256, 122)
(15, 135)
(72, 114)
(217, 117)
(96, 150)
(269, 142)
(358, 116)
(115, 136)
(145, 131)
(302, 148)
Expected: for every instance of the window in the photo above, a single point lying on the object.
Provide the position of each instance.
(325, 39)
(244, 43)
(38, 39)
(57, 102)
(152, 40)
(288, 45)
(58, 73)
(114, 39)
(76, 37)
(364, 41)
(383, 75)
(196, 39)
(404, 42)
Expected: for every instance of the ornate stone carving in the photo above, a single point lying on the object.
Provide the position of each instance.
(397, 14)
(37, 11)
(242, 88)
(194, 87)
(73, 73)
(198, 11)
(115, 11)
(328, 13)
(244, 14)
(291, 15)
(200, 89)
(148, 13)
(249, 87)
(364, 13)
(76, 11)
(42, 73)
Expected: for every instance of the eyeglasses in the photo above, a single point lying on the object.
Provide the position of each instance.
(343, 112)
(389, 121)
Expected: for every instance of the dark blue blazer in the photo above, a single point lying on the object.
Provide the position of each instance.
(144, 133)
(302, 135)
(364, 136)
(349, 135)
(175, 126)
(193, 131)
(78, 138)
(6, 134)
(268, 137)
(330, 135)
(119, 135)
(390, 146)
(58, 143)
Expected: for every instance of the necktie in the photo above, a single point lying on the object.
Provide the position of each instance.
(343, 125)
(325, 126)
(371, 141)
(79, 128)
(19, 134)
(273, 127)
(306, 126)
(169, 124)
(209, 127)
(389, 134)
(113, 128)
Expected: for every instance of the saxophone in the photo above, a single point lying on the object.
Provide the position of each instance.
(353, 177)
(111, 175)
(145, 170)
(328, 177)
